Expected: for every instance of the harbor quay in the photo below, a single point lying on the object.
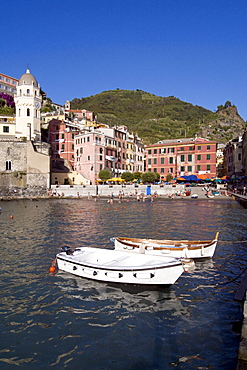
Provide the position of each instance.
(128, 191)
(133, 191)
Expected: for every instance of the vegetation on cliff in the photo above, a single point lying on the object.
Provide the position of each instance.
(156, 118)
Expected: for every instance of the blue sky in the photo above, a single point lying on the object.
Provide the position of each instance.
(195, 50)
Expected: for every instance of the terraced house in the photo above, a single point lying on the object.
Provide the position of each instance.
(193, 156)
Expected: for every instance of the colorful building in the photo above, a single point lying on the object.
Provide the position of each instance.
(233, 158)
(8, 84)
(194, 156)
(61, 137)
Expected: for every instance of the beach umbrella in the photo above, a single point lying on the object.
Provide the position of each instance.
(204, 176)
(116, 179)
(216, 180)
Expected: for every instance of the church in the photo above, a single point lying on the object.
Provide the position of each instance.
(24, 158)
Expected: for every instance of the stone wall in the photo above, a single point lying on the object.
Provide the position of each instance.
(23, 171)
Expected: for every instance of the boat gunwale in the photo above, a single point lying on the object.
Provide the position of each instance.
(132, 242)
(133, 268)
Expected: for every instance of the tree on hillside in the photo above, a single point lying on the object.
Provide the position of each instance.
(105, 174)
(228, 104)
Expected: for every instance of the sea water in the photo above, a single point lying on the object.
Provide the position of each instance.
(59, 321)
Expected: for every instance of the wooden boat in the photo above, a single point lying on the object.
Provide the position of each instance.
(120, 267)
(178, 249)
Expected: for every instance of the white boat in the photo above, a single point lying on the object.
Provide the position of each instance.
(120, 267)
(173, 248)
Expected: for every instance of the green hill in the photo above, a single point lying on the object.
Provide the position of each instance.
(156, 118)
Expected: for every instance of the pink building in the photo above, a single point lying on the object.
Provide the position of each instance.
(99, 149)
(182, 157)
(81, 114)
(8, 84)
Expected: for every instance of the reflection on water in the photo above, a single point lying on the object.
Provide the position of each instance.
(63, 321)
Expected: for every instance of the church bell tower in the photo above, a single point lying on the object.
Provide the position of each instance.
(28, 103)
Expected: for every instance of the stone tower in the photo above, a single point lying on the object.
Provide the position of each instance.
(28, 103)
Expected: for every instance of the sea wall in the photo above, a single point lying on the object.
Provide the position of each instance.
(128, 190)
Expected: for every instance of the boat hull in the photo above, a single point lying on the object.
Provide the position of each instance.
(176, 249)
(117, 266)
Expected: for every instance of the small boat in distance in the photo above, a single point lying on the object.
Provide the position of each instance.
(173, 248)
(120, 267)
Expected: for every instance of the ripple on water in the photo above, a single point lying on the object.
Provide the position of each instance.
(63, 321)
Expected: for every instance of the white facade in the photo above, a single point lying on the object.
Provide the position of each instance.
(28, 103)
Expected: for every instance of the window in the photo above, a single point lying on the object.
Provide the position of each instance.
(28, 112)
(189, 168)
(199, 157)
(28, 92)
(73, 147)
(162, 150)
(88, 158)
(170, 160)
(182, 158)
(155, 160)
(155, 151)
(5, 128)
(199, 147)
(7, 79)
(88, 139)
(162, 170)
(182, 149)
(73, 136)
(189, 157)
(208, 167)
(208, 156)
(239, 156)
(62, 136)
(162, 160)
(208, 147)
(149, 161)
(171, 170)
(170, 150)
(182, 169)
(198, 168)
(57, 147)
(81, 150)
(63, 146)
(149, 151)
(8, 165)
(57, 136)
(101, 158)
(190, 148)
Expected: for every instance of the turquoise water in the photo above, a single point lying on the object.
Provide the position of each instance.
(61, 321)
